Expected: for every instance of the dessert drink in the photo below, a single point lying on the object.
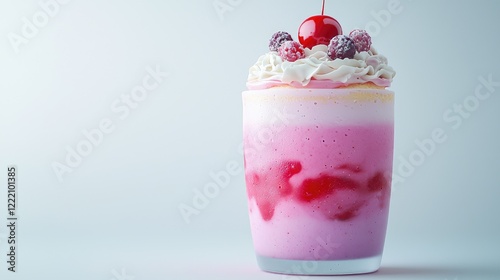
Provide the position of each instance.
(318, 131)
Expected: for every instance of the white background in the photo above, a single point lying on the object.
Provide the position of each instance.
(115, 216)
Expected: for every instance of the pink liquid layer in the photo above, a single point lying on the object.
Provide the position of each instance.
(319, 192)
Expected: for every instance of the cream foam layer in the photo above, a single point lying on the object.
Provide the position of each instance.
(271, 70)
(278, 106)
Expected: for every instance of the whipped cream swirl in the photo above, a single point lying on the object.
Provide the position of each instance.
(317, 69)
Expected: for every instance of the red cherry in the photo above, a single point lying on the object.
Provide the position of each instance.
(318, 30)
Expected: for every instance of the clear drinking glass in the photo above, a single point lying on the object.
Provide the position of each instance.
(318, 165)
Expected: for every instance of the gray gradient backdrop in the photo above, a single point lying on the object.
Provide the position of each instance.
(115, 215)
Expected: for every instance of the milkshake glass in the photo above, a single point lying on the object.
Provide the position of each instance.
(318, 165)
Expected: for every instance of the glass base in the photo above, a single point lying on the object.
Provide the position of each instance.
(312, 267)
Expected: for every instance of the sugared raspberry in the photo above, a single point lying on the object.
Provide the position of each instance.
(278, 39)
(361, 39)
(291, 51)
(341, 47)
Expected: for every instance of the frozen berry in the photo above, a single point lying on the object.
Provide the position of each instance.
(291, 51)
(278, 39)
(361, 39)
(341, 47)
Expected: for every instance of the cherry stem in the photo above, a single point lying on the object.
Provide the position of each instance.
(323, 9)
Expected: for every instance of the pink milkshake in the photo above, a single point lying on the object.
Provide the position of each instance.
(318, 139)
